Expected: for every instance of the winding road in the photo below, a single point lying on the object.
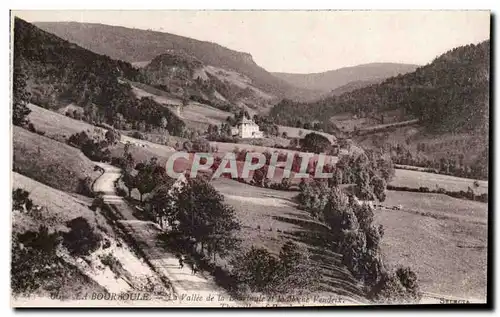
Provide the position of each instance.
(191, 290)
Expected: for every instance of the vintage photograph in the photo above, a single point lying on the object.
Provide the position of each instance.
(249, 158)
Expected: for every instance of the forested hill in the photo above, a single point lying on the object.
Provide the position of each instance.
(58, 73)
(135, 45)
(451, 94)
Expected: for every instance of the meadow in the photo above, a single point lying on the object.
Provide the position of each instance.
(269, 218)
(416, 179)
(443, 239)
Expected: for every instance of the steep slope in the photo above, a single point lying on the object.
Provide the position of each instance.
(451, 94)
(330, 80)
(134, 45)
(186, 77)
(435, 117)
(58, 73)
(50, 162)
(112, 267)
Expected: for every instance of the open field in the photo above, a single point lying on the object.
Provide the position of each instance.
(193, 111)
(50, 162)
(293, 132)
(270, 218)
(60, 127)
(55, 125)
(416, 179)
(443, 239)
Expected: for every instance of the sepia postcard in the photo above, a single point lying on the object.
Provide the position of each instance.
(249, 158)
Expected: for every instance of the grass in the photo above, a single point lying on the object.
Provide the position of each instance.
(55, 125)
(443, 239)
(79, 276)
(416, 179)
(269, 218)
(293, 132)
(50, 162)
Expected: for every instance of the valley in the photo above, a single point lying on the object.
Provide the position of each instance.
(99, 111)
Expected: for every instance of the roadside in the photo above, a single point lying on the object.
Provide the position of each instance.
(190, 289)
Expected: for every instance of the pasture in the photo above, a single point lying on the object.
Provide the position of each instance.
(269, 218)
(416, 179)
(50, 162)
(443, 239)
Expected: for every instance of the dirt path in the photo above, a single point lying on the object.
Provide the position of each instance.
(190, 289)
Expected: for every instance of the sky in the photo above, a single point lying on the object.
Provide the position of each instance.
(306, 41)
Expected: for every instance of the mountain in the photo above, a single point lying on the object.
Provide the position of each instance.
(184, 76)
(353, 85)
(58, 73)
(330, 80)
(135, 45)
(450, 94)
(435, 117)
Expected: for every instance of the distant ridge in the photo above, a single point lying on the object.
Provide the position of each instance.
(330, 80)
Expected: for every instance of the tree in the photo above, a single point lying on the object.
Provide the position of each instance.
(145, 180)
(256, 268)
(315, 143)
(379, 187)
(200, 145)
(399, 286)
(161, 200)
(201, 218)
(129, 180)
(20, 96)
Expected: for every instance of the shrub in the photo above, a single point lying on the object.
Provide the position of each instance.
(256, 269)
(81, 240)
(21, 201)
(260, 271)
(113, 263)
(84, 187)
(98, 202)
(34, 260)
(121, 192)
(200, 145)
(137, 135)
(399, 286)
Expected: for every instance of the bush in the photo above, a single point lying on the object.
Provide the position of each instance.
(399, 286)
(34, 260)
(84, 187)
(256, 269)
(113, 263)
(200, 145)
(137, 135)
(121, 192)
(81, 239)
(21, 201)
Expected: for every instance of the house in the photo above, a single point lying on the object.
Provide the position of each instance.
(246, 129)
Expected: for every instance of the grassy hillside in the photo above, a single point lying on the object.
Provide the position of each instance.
(270, 218)
(59, 73)
(76, 276)
(135, 45)
(50, 162)
(333, 79)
